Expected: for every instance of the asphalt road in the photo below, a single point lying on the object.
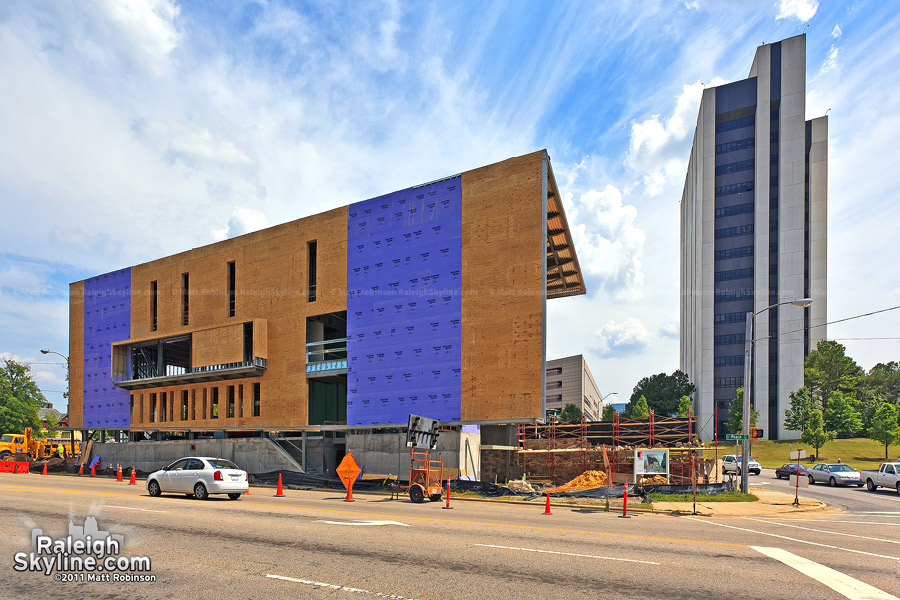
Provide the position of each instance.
(311, 544)
(852, 499)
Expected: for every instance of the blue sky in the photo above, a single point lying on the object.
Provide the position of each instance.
(131, 131)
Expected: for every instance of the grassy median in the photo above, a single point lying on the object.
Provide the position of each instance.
(860, 453)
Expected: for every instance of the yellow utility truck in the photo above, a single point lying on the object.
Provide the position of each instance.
(13, 444)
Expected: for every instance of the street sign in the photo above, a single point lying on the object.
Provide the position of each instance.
(348, 471)
(798, 454)
(799, 481)
(737, 436)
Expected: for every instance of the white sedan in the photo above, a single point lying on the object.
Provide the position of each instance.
(199, 476)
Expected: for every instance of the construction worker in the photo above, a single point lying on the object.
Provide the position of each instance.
(839, 461)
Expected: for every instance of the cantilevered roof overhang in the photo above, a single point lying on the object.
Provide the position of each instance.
(563, 272)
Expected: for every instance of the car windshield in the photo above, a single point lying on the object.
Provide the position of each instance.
(221, 463)
(6, 438)
(835, 468)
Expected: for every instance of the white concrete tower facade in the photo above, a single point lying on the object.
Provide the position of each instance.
(753, 234)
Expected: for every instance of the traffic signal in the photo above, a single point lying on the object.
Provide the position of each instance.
(756, 433)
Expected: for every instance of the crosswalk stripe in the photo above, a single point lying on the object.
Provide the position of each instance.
(843, 584)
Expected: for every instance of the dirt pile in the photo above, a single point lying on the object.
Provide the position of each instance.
(655, 480)
(586, 481)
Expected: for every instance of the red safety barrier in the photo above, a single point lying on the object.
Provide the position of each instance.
(448, 494)
(13, 466)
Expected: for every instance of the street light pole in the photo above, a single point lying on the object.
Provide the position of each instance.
(748, 359)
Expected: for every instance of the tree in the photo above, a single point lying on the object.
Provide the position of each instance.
(883, 381)
(20, 398)
(884, 426)
(639, 410)
(52, 424)
(797, 415)
(685, 406)
(842, 417)
(735, 422)
(828, 369)
(609, 413)
(663, 391)
(570, 413)
(815, 434)
(868, 405)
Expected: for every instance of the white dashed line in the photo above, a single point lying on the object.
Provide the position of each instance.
(643, 562)
(340, 588)
(843, 584)
(132, 508)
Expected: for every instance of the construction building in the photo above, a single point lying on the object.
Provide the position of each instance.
(430, 301)
(753, 234)
(569, 381)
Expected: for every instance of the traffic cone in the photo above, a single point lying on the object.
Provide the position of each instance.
(44, 472)
(279, 493)
(247, 493)
(81, 469)
(547, 509)
(132, 482)
(93, 473)
(118, 472)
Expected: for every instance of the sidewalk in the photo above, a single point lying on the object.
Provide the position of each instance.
(771, 503)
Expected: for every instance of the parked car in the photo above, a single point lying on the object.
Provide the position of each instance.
(834, 474)
(788, 469)
(731, 463)
(199, 476)
(887, 476)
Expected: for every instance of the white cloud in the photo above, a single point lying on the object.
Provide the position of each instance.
(626, 338)
(803, 10)
(658, 149)
(609, 244)
(831, 61)
(670, 330)
(836, 32)
(243, 220)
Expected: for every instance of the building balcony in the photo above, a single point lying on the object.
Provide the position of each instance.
(239, 370)
(326, 357)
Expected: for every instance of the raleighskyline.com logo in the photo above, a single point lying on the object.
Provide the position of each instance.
(86, 554)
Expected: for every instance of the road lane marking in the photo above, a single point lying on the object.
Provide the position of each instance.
(644, 562)
(784, 537)
(406, 517)
(843, 584)
(132, 508)
(824, 531)
(340, 588)
(834, 521)
(876, 512)
(363, 523)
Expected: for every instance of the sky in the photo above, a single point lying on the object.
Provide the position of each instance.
(133, 130)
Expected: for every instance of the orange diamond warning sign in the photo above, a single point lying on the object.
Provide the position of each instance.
(348, 471)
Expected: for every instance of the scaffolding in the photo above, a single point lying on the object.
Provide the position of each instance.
(573, 448)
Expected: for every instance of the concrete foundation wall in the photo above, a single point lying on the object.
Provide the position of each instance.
(254, 455)
(387, 453)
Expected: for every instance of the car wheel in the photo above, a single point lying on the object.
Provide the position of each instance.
(832, 482)
(5, 455)
(234, 496)
(153, 488)
(898, 487)
(200, 492)
(811, 480)
(416, 494)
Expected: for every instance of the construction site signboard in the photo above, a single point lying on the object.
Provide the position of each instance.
(651, 461)
(348, 471)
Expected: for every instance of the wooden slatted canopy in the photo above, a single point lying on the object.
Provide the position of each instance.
(563, 272)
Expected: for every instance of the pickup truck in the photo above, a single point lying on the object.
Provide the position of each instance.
(887, 476)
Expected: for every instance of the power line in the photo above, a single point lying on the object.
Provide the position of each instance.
(868, 314)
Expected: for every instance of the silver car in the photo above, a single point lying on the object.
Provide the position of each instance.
(199, 476)
(834, 474)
